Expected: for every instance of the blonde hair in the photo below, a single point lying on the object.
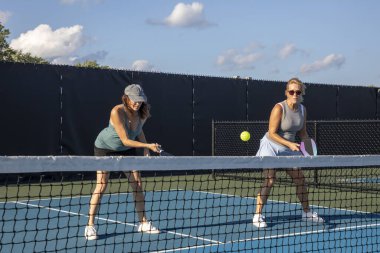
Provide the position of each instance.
(296, 80)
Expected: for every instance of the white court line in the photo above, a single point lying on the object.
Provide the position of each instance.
(81, 196)
(56, 198)
(284, 202)
(277, 236)
(273, 237)
(214, 242)
(73, 213)
(205, 192)
(109, 220)
(308, 232)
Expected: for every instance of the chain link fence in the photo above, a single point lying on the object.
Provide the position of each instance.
(348, 137)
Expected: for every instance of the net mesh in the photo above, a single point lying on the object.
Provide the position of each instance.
(47, 210)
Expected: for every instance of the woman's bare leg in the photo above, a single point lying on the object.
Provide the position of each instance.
(134, 179)
(101, 186)
(301, 189)
(262, 197)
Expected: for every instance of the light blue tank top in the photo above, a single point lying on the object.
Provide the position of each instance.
(109, 139)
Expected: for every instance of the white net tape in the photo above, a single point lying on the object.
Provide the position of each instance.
(19, 164)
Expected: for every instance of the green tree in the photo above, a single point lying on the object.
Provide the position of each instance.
(5, 51)
(91, 64)
(9, 54)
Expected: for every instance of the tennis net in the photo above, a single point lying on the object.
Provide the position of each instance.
(44, 204)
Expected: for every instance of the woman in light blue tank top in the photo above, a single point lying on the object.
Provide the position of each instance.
(122, 137)
(287, 119)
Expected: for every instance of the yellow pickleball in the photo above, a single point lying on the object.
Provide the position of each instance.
(245, 136)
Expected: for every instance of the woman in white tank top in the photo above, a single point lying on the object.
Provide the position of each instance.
(287, 119)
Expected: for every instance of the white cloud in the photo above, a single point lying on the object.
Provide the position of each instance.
(330, 61)
(234, 59)
(49, 44)
(4, 16)
(290, 49)
(185, 15)
(287, 50)
(65, 60)
(142, 65)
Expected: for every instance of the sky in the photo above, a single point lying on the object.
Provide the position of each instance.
(319, 41)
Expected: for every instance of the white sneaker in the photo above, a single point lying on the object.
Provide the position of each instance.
(90, 233)
(147, 227)
(312, 216)
(259, 221)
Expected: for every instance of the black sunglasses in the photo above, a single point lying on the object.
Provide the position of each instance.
(291, 92)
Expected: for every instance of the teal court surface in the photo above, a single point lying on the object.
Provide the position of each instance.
(190, 221)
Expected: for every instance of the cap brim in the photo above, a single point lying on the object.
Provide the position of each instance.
(137, 98)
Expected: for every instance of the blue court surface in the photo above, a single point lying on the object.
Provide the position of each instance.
(210, 222)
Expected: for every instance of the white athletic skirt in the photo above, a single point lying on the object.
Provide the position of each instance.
(271, 148)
